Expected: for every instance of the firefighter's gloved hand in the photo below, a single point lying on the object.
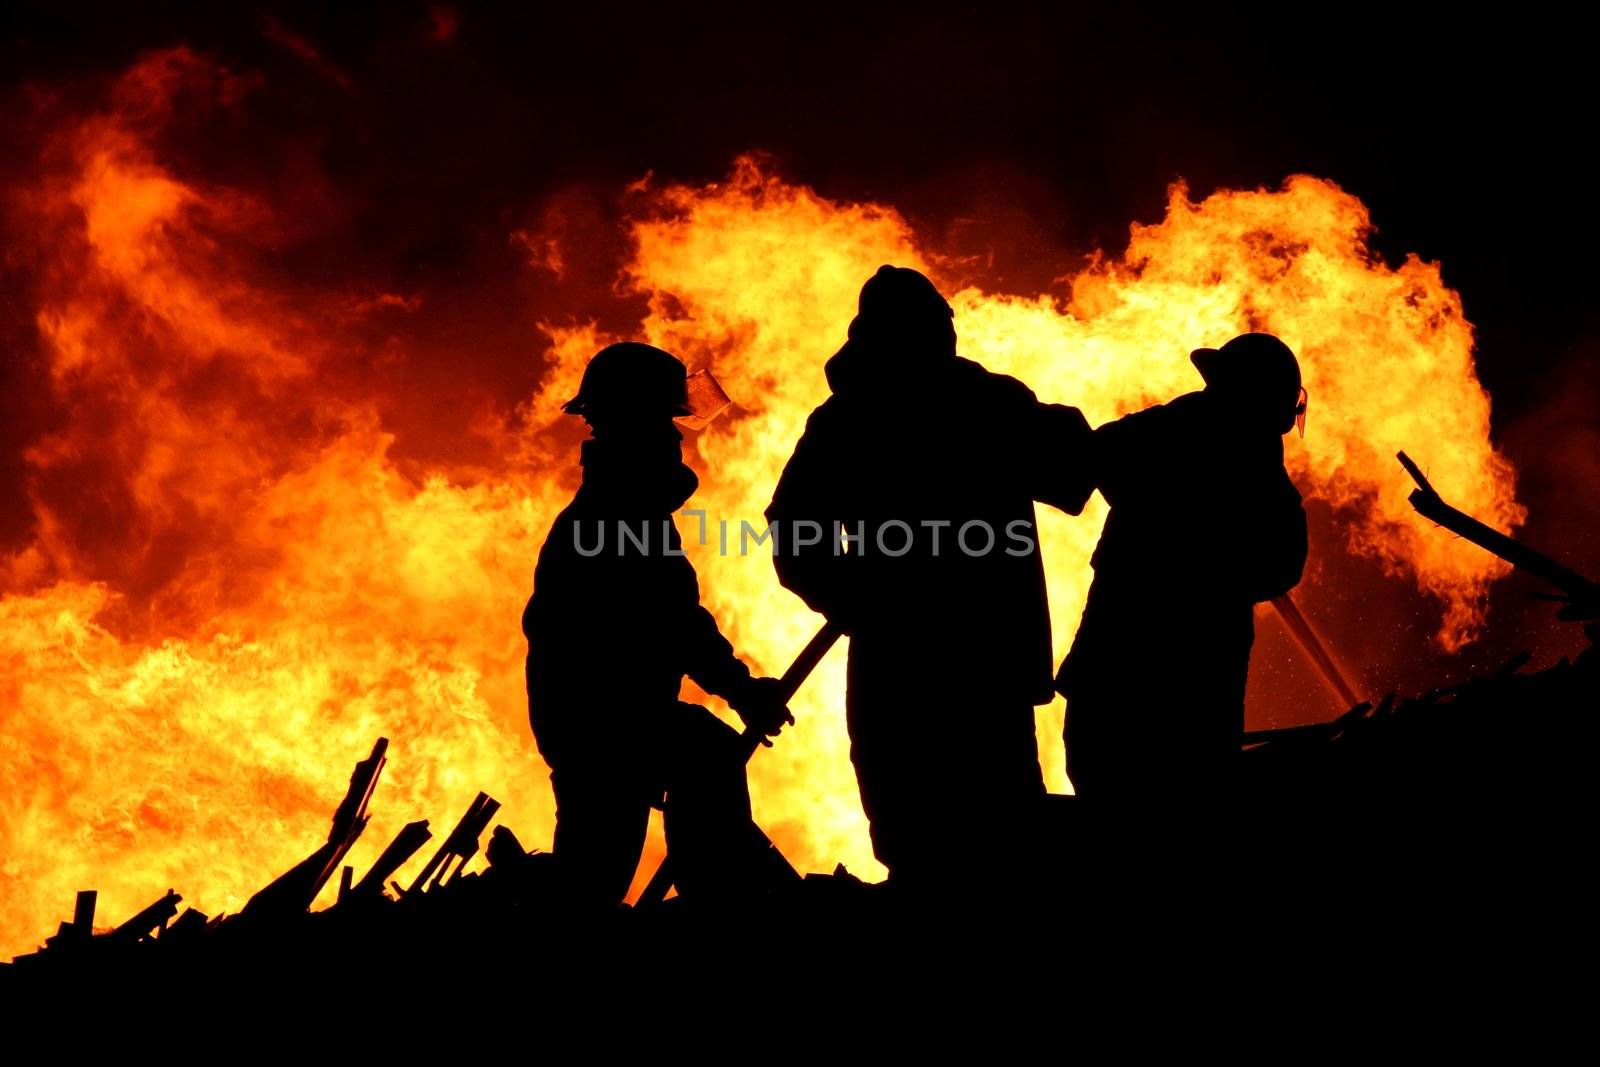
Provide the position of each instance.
(760, 704)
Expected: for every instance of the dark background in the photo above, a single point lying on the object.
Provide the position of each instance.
(1469, 136)
(1030, 135)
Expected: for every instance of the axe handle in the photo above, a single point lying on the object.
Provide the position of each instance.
(796, 675)
(807, 660)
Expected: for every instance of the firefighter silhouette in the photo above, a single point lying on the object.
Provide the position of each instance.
(613, 626)
(1204, 524)
(906, 516)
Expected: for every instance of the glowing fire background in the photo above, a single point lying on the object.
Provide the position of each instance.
(291, 300)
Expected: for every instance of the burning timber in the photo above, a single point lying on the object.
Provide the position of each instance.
(1467, 801)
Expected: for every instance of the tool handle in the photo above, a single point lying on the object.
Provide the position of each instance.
(807, 660)
(796, 675)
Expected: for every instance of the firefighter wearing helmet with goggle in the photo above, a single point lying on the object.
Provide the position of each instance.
(1204, 524)
(613, 627)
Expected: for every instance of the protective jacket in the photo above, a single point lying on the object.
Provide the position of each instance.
(932, 476)
(1204, 524)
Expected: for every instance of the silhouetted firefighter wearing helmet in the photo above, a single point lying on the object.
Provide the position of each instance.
(1204, 524)
(613, 626)
(906, 516)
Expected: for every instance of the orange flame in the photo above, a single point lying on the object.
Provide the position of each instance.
(243, 588)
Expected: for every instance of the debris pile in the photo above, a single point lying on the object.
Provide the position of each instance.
(278, 920)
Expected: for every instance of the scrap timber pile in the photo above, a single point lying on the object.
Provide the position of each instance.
(1509, 736)
(278, 920)
(446, 917)
(1493, 772)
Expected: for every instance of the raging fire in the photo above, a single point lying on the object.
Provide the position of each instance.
(233, 585)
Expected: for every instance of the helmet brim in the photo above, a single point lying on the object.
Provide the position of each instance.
(1205, 361)
(579, 406)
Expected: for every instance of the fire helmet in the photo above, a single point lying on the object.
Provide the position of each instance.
(632, 379)
(901, 306)
(1258, 369)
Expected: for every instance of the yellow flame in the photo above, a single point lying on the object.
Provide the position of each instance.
(199, 736)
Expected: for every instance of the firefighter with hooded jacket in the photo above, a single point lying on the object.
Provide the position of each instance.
(1204, 524)
(613, 626)
(906, 516)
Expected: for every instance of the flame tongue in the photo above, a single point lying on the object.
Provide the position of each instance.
(234, 585)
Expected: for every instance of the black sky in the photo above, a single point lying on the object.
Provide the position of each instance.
(1466, 134)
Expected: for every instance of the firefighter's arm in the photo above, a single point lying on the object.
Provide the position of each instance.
(715, 668)
(1115, 454)
(1056, 444)
(803, 519)
(1271, 527)
(707, 656)
(1048, 444)
(1279, 556)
